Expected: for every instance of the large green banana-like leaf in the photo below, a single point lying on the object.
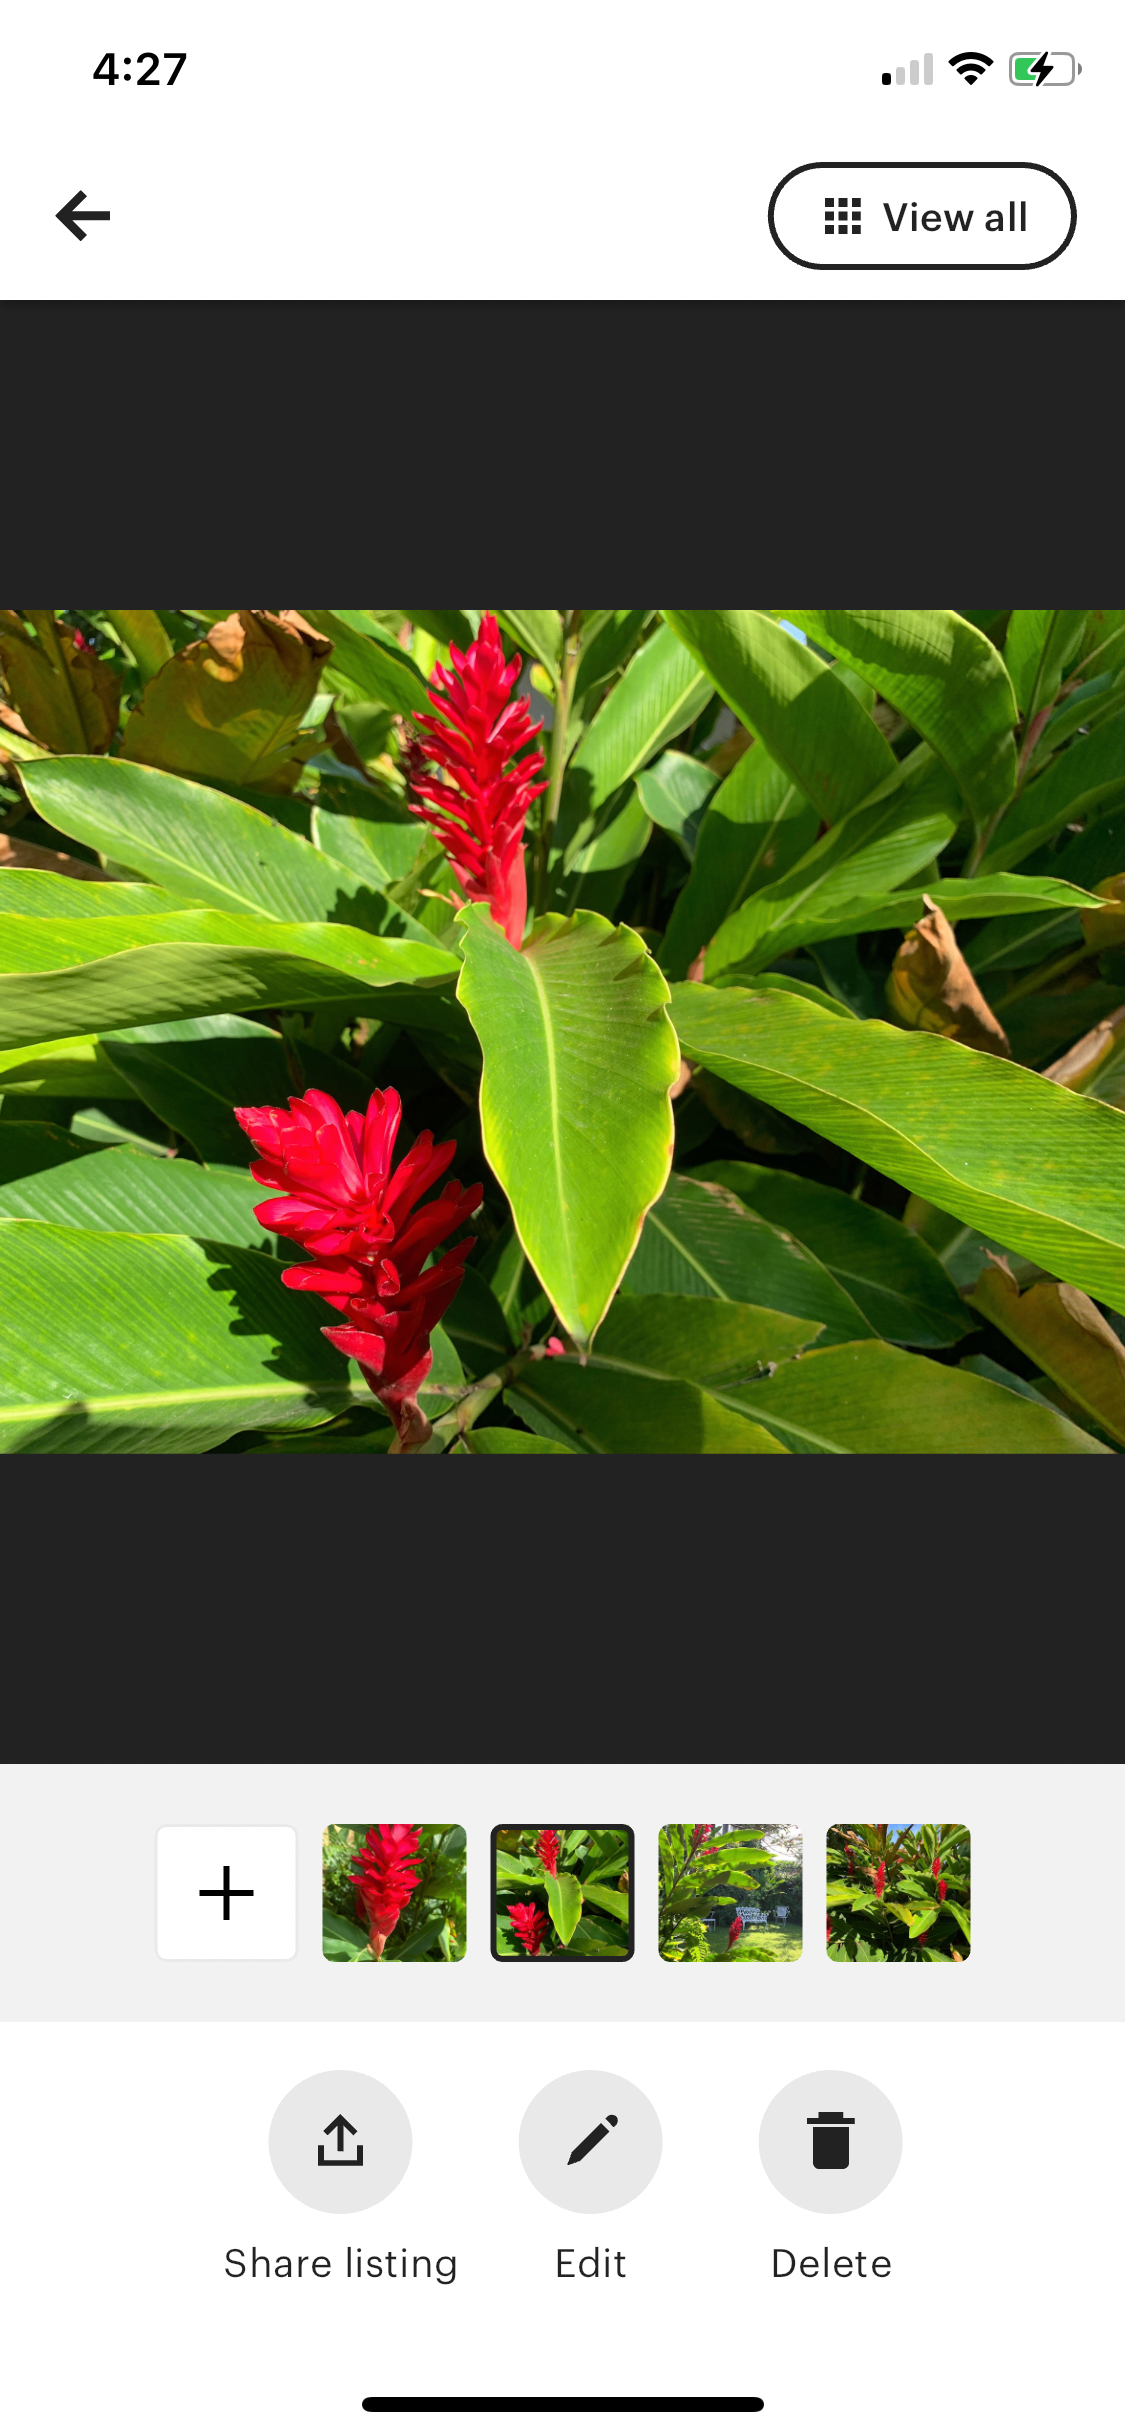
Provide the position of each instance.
(125, 1344)
(60, 979)
(755, 827)
(62, 1070)
(1038, 646)
(944, 676)
(27, 1147)
(367, 665)
(872, 1399)
(811, 724)
(1032, 1165)
(865, 1398)
(660, 694)
(701, 1240)
(121, 1192)
(193, 1074)
(209, 848)
(1019, 939)
(48, 893)
(853, 867)
(538, 633)
(579, 1060)
(1087, 779)
(890, 1274)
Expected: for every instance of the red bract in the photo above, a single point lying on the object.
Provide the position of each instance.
(880, 1878)
(941, 1887)
(547, 1851)
(478, 810)
(369, 1239)
(698, 1836)
(734, 1932)
(388, 1870)
(529, 1924)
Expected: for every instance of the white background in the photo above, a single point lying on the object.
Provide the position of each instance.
(611, 148)
(135, 2142)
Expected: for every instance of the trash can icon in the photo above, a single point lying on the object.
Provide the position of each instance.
(830, 2141)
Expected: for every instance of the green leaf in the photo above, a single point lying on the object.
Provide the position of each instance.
(674, 792)
(962, 1918)
(894, 1278)
(607, 1899)
(77, 1069)
(702, 1240)
(194, 1074)
(944, 676)
(652, 1382)
(1032, 1165)
(872, 1399)
(1039, 644)
(538, 633)
(511, 1442)
(610, 644)
(754, 828)
(478, 1325)
(809, 722)
(421, 1941)
(1087, 778)
(924, 1921)
(62, 979)
(121, 1192)
(835, 888)
(564, 1902)
(142, 633)
(1066, 1337)
(36, 1149)
(361, 833)
(49, 894)
(1018, 939)
(342, 1940)
(579, 1060)
(131, 1344)
(367, 664)
(600, 1413)
(208, 847)
(658, 697)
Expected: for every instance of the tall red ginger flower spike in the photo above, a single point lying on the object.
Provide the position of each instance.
(479, 814)
(369, 1239)
(547, 1851)
(734, 1932)
(388, 1869)
(529, 1924)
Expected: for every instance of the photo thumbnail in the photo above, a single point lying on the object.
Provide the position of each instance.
(898, 1894)
(730, 1894)
(394, 1894)
(563, 1894)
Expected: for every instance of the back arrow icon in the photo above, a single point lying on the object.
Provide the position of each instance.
(70, 215)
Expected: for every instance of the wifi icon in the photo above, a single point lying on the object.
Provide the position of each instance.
(971, 65)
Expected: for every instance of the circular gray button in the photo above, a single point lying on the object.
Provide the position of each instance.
(830, 2142)
(590, 2142)
(340, 2142)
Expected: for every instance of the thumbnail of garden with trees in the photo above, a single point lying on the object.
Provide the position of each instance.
(562, 1031)
(730, 1894)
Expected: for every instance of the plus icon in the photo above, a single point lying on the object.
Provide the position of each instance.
(226, 1890)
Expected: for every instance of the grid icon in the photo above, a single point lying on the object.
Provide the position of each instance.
(837, 222)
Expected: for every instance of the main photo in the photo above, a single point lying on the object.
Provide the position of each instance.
(539, 1031)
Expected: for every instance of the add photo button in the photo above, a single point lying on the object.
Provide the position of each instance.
(922, 216)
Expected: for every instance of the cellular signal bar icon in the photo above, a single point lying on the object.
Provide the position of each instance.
(836, 222)
(900, 73)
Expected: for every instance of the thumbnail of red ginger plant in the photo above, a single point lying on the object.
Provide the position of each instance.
(386, 1879)
(529, 1925)
(478, 804)
(368, 1234)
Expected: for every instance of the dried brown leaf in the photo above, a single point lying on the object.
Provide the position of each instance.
(15, 855)
(1078, 1066)
(230, 706)
(68, 699)
(931, 989)
(1066, 1334)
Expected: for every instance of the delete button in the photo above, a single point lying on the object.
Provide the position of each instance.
(922, 215)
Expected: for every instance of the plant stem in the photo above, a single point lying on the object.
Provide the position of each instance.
(564, 696)
(473, 1403)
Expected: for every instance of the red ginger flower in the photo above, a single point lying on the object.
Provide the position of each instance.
(388, 1868)
(735, 1931)
(937, 1864)
(479, 814)
(699, 1835)
(880, 1878)
(529, 1924)
(547, 1851)
(369, 1240)
(941, 1887)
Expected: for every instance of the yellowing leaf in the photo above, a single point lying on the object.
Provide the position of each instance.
(930, 987)
(69, 700)
(1065, 1333)
(231, 705)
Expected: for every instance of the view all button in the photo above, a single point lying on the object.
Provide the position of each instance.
(922, 215)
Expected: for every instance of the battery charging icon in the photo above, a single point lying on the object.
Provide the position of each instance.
(1041, 68)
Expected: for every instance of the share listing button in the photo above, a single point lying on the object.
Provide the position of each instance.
(922, 215)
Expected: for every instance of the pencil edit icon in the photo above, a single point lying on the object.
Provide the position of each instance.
(601, 2131)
